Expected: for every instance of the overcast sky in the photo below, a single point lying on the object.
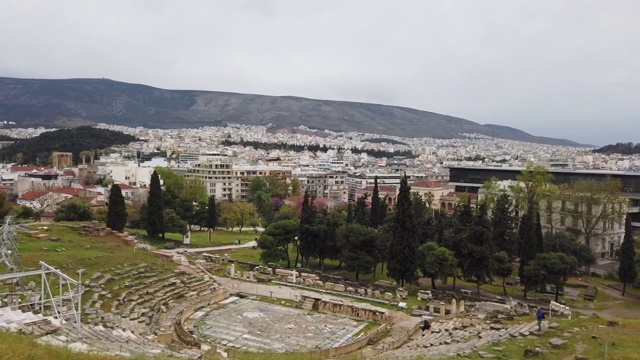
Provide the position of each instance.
(553, 68)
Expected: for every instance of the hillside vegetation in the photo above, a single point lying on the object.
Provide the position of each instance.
(37, 150)
(619, 148)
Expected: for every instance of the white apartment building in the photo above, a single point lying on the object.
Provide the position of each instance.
(243, 174)
(323, 185)
(607, 235)
(216, 173)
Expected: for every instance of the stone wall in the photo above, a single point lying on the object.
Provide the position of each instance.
(182, 334)
(355, 310)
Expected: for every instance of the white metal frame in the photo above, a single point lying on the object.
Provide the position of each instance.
(66, 305)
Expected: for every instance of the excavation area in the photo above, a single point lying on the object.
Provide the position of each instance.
(252, 325)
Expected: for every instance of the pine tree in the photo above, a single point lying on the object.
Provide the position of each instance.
(376, 216)
(117, 210)
(627, 270)
(155, 208)
(403, 248)
(212, 214)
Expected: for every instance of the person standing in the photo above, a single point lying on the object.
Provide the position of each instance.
(425, 325)
(540, 316)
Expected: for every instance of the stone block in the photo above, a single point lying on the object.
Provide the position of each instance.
(388, 296)
(557, 343)
(339, 287)
(328, 286)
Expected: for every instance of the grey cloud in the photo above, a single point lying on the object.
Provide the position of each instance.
(562, 69)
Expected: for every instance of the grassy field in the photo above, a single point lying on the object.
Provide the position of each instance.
(73, 251)
(592, 337)
(23, 347)
(201, 238)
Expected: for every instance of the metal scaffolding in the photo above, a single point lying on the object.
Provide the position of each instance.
(59, 294)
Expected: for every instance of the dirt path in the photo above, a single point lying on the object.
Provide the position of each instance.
(615, 308)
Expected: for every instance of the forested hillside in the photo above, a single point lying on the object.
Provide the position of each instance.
(37, 150)
(619, 148)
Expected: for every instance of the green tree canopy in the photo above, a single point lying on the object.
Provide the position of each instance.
(238, 214)
(567, 243)
(436, 262)
(173, 222)
(550, 269)
(502, 266)
(75, 210)
(357, 245)
(275, 240)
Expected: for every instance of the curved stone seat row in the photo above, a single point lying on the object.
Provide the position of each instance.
(459, 337)
(14, 320)
(98, 339)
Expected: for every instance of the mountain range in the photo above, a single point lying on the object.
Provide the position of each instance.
(76, 102)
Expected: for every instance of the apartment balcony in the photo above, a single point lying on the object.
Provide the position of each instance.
(634, 209)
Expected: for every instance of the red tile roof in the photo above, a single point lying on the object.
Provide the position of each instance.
(429, 184)
(20, 168)
(32, 195)
(381, 188)
(68, 173)
(65, 190)
(126, 187)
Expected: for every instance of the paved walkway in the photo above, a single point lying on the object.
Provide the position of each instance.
(170, 252)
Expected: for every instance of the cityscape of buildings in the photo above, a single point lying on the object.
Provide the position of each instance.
(439, 169)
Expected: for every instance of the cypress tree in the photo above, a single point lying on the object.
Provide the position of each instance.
(503, 235)
(459, 233)
(403, 247)
(349, 213)
(376, 216)
(360, 213)
(211, 221)
(531, 240)
(308, 215)
(525, 252)
(627, 270)
(117, 210)
(538, 236)
(155, 208)
(479, 258)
